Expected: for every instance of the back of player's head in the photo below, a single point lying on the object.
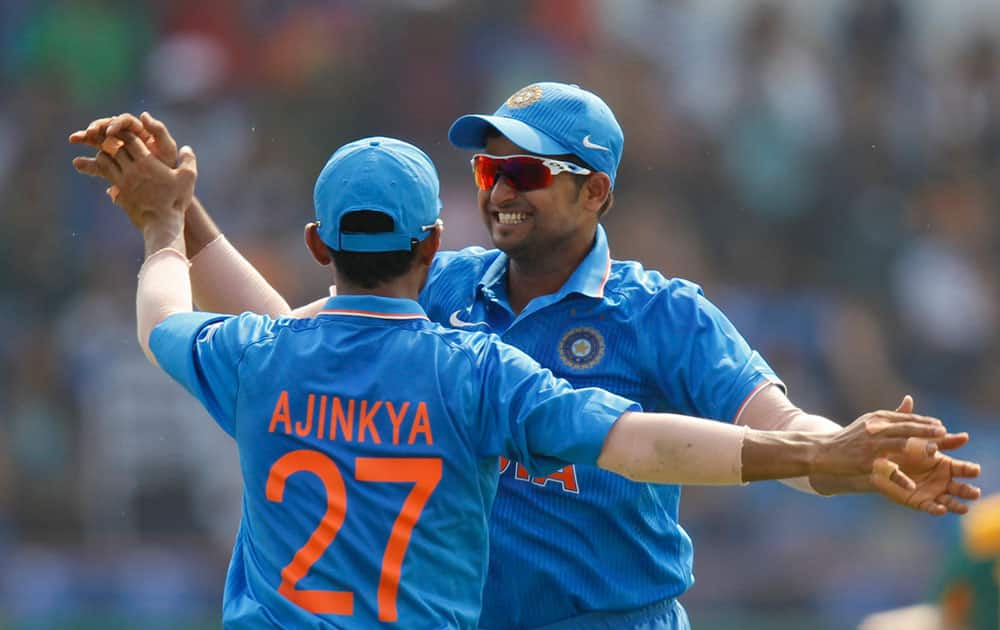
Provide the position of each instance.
(375, 200)
(550, 119)
(381, 176)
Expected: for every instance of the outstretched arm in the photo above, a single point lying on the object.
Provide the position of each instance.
(669, 448)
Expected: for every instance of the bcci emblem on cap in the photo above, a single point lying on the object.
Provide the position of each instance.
(524, 97)
(581, 348)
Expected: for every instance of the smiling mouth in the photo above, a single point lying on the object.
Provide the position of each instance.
(510, 218)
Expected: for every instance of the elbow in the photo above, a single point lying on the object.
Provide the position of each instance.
(143, 337)
(144, 330)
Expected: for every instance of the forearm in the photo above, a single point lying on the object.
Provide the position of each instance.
(784, 416)
(771, 410)
(199, 228)
(164, 285)
(223, 281)
(677, 449)
(779, 454)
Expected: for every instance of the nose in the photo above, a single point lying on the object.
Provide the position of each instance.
(502, 191)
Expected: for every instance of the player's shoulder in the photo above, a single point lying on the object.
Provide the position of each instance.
(248, 329)
(629, 281)
(462, 264)
(478, 348)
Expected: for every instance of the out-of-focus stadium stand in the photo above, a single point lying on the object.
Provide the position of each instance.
(828, 171)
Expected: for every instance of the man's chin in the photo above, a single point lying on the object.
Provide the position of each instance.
(506, 239)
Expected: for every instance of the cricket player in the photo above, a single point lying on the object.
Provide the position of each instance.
(582, 547)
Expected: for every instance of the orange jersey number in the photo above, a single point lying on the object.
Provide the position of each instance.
(423, 472)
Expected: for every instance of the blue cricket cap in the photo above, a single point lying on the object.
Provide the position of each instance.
(550, 119)
(381, 175)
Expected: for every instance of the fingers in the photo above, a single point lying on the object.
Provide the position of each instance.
(101, 165)
(187, 162)
(912, 429)
(113, 192)
(126, 122)
(932, 507)
(88, 166)
(135, 147)
(111, 145)
(962, 468)
(883, 468)
(882, 421)
(899, 478)
(896, 416)
(906, 406)
(93, 134)
(917, 448)
(108, 165)
(952, 504)
(884, 484)
(158, 130)
(964, 490)
(951, 441)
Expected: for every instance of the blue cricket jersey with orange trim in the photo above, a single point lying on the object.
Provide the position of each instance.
(368, 441)
(581, 539)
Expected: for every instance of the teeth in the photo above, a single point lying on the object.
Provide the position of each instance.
(511, 218)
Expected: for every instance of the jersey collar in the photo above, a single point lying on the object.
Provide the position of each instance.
(589, 278)
(373, 306)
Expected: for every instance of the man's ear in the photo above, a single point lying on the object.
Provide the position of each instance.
(429, 247)
(320, 252)
(595, 191)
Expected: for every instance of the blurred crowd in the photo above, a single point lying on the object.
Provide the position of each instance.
(828, 172)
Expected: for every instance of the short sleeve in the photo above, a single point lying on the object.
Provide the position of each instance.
(202, 352)
(698, 358)
(529, 415)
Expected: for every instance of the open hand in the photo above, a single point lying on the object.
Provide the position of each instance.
(862, 447)
(937, 489)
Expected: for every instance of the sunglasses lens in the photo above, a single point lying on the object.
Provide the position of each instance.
(527, 173)
(523, 173)
(485, 170)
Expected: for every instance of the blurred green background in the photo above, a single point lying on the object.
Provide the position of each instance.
(828, 171)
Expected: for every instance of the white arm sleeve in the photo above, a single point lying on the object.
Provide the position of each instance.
(164, 289)
(770, 410)
(223, 281)
(671, 448)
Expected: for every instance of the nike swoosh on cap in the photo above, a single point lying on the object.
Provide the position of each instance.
(455, 322)
(590, 145)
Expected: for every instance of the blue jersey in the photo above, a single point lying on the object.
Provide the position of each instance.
(368, 441)
(582, 539)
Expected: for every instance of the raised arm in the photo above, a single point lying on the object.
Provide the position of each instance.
(154, 197)
(222, 279)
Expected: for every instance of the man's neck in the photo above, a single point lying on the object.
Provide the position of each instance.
(400, 288)
(528, 279)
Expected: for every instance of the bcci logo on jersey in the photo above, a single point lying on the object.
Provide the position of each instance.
(581, 348)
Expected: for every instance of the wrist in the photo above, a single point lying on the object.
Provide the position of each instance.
(821, 462)
(829, 485)
(779, 454)
(199, 228)
(164, 232)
